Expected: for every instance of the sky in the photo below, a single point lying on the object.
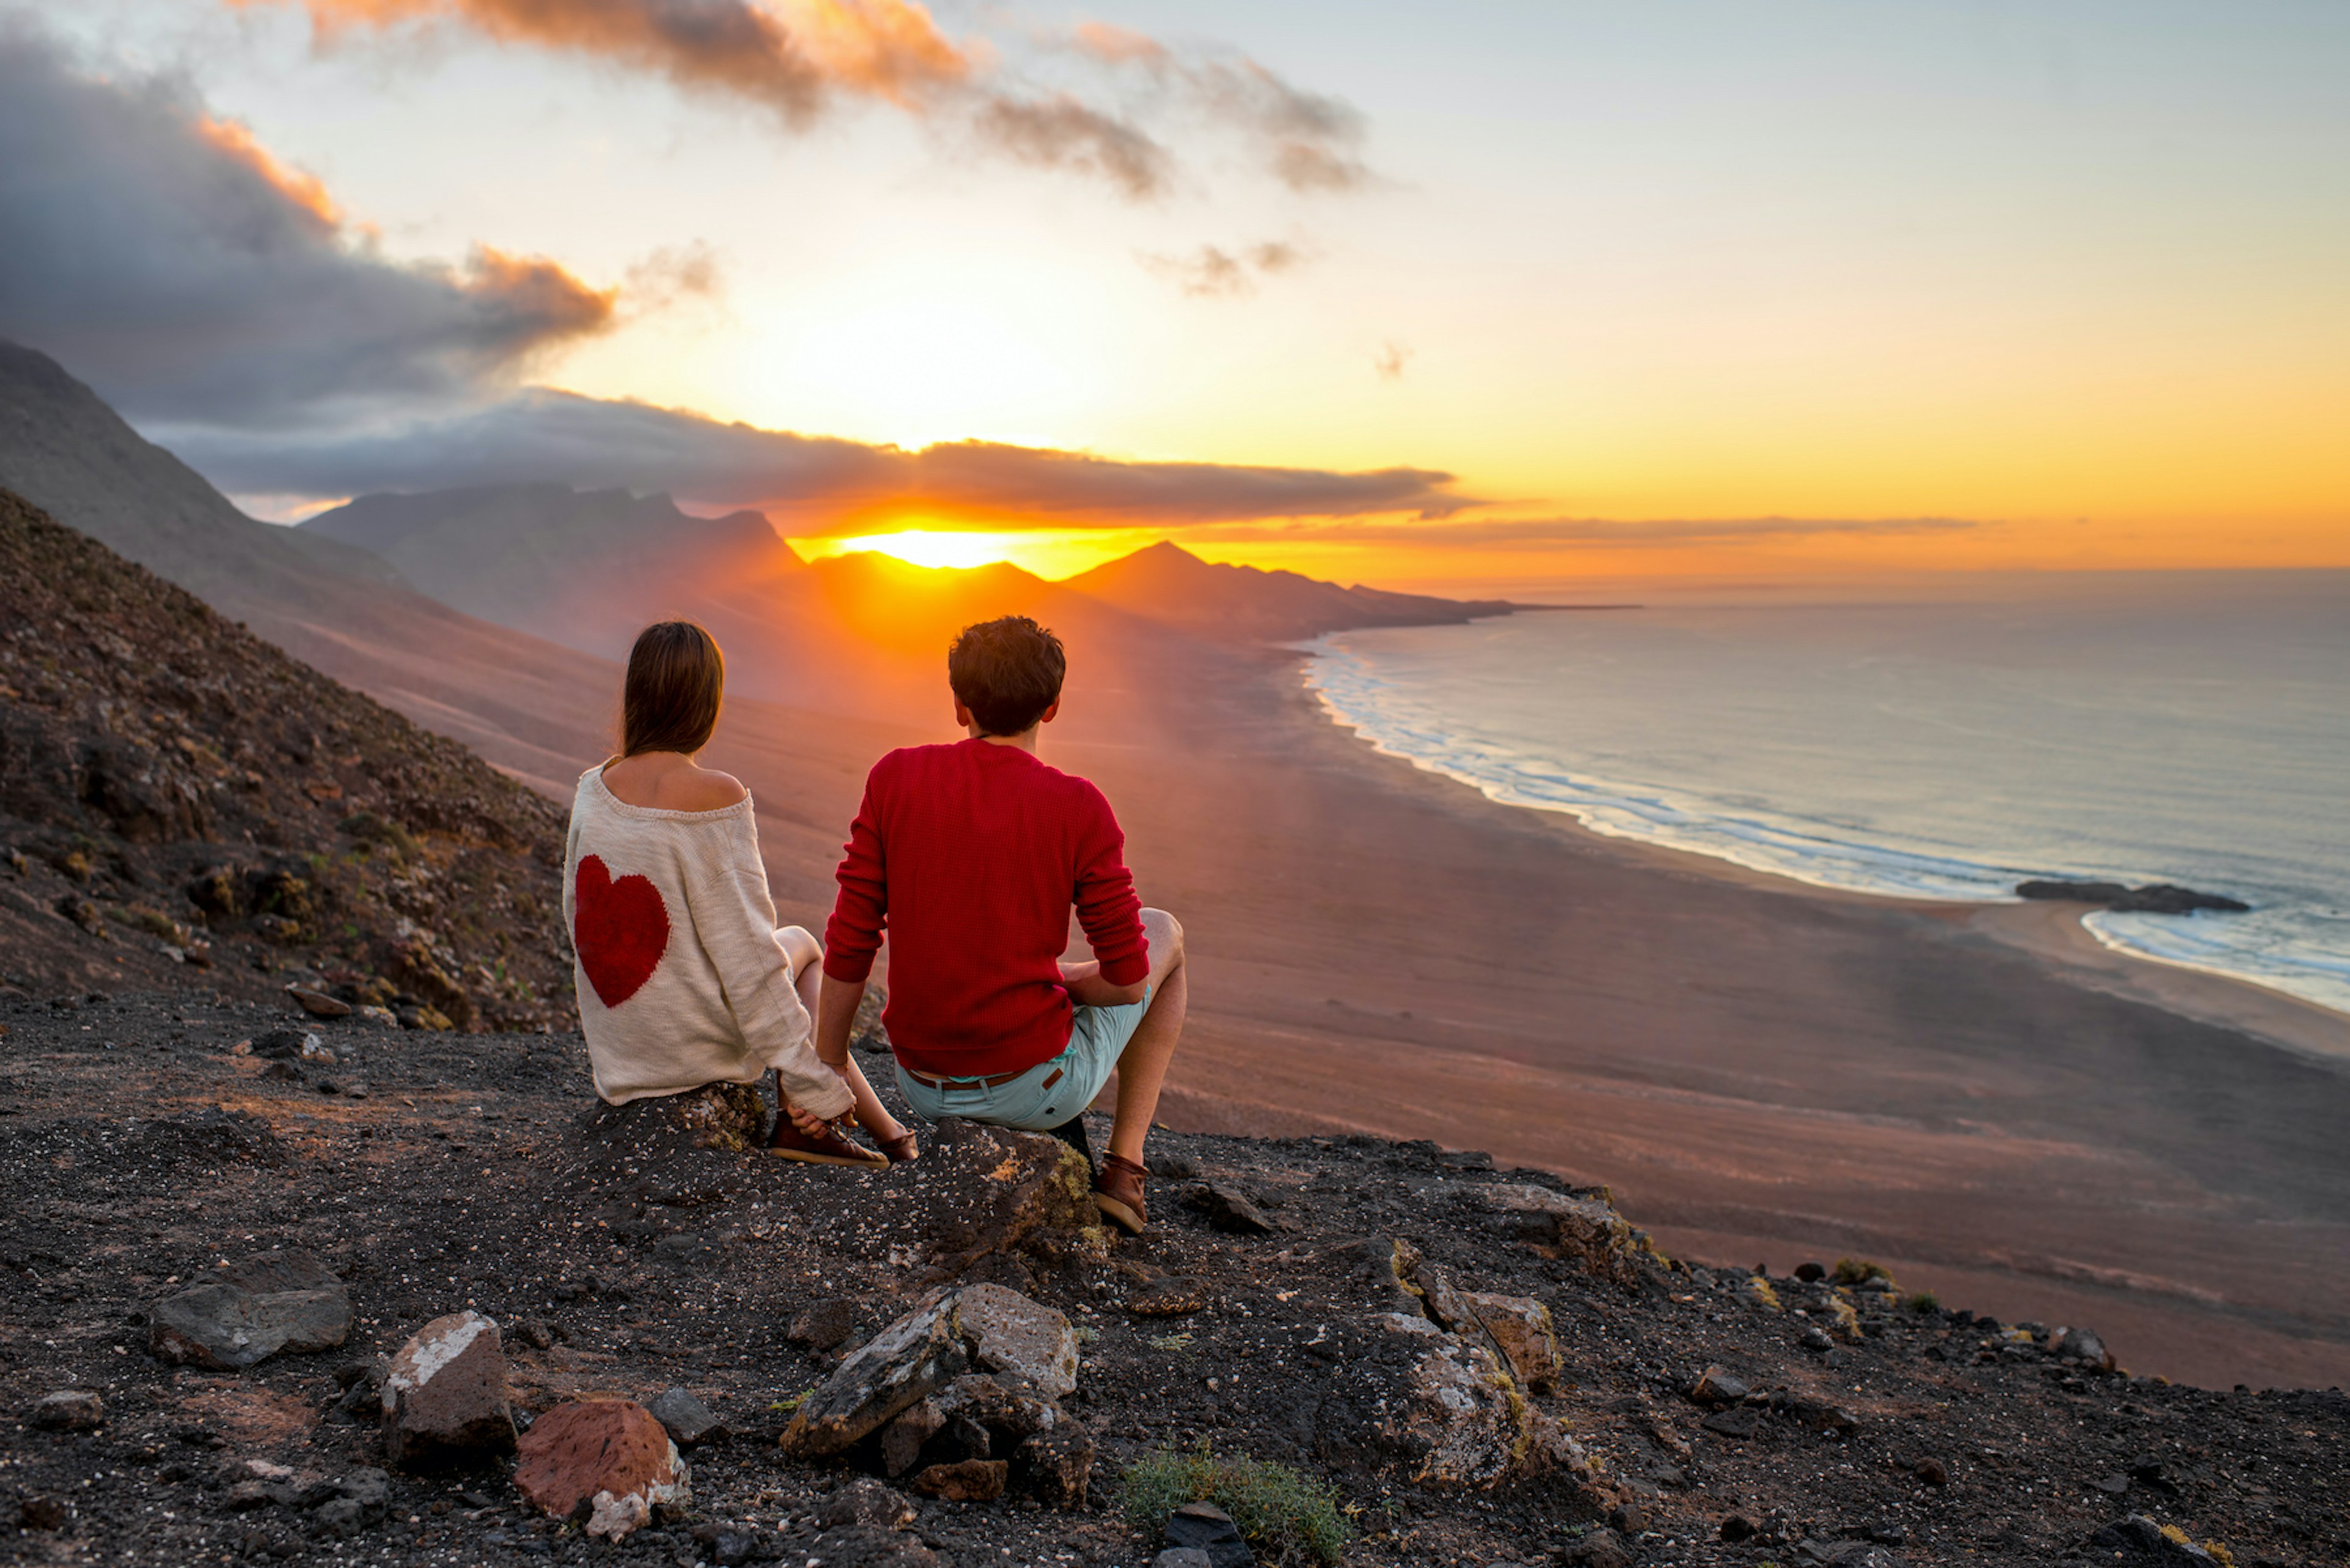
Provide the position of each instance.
(1548, 293)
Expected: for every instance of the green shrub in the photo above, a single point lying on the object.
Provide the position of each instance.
(1924, 1302)
(1287, 1516)
(1860, 1272)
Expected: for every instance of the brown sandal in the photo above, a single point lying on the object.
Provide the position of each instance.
(902, 1149)
(1117, 1193)
(830, 1147)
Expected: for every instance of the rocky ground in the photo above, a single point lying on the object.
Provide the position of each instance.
(1378, 1316)
(175, 791)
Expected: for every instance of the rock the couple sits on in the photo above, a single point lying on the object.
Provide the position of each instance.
(968, 856)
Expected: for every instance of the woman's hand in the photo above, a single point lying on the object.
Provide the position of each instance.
(809, 1122)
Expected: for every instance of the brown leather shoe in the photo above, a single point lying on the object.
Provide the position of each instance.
(902, 1149)
(830, 1147)
(1117, 1193)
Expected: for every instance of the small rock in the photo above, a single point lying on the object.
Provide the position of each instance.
(1739, 1421)
(1815, 1339)
(379, 1017)
(611, 1454)
(2083, 1345)
(43, 1513)
(1182, 1557)
(1009, 1333)
(688, 1419)
(903, 1436)
(234, 1317)
(1811, 1273)
(1627, 1519)
(317, 1003)
(445, 1396)
(1716, 1388)
(2113, 1485)
(69, 1410)
(1822, 1416)
(254, 1492)
(1738, 1528)
(338, 1520)
(1209, 1529)
(1932, 1472)
(421, 1017)
(822, 1325)
(1055, 1466)
(289, 1045)
(1229, 1209)
(866, 1501)
(1599, 1549)
(966, 1480)
(1172, 1296)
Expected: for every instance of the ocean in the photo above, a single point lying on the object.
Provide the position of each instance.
(2191, 728)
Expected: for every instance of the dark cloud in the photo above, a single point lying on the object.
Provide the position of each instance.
(1063, 134)
(175, 265)
(1541, 532)
(812, 484)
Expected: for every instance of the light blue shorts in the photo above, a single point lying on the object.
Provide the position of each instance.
(1047, 1094)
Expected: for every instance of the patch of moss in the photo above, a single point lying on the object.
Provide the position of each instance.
(1287, 1515)
(1860, 1272)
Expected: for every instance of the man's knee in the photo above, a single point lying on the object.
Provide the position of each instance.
(1166, 934)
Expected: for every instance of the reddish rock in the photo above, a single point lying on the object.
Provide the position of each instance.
(445, 1399)
(966, 1480)
(613, 1455)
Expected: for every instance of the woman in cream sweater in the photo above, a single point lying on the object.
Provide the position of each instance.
(684, 978)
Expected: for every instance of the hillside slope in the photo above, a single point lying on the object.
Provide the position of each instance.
(174, 789)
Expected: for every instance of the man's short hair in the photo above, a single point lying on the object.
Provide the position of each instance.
(1007, 671)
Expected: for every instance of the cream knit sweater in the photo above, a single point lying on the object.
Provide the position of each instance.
(682, 981)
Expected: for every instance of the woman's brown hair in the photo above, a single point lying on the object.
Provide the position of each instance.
(676, 679)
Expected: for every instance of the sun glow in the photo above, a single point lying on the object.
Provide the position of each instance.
(1049, 553)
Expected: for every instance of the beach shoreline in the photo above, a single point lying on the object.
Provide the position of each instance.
(2050, 929)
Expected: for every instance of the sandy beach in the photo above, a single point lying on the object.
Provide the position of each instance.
(1985, 1100)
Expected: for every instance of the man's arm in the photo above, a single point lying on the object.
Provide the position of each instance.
(835, 1015)
(1086, 988)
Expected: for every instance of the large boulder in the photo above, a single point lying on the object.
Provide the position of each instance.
(728, 1117)
(980, 1190)
(244, 1313)
(980, 1327)
(1402, 1390)
(445, 1399)
(612, 1456)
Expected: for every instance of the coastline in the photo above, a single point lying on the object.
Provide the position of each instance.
(1763, 1070)
(2052, 931)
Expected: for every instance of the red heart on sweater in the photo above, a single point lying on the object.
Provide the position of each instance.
(621, 929)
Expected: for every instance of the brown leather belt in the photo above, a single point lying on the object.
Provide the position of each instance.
(935, 1082)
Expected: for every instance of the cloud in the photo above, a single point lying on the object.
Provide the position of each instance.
(175, 264)
(791, 58)
(1308, 140)
(1063, 134)
(1563, 532)
(1211, 273)
(1390, 361)
(815, 483)
(796, 57)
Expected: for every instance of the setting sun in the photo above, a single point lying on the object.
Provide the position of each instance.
(1048, 553)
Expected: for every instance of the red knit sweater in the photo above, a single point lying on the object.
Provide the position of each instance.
(972, 854)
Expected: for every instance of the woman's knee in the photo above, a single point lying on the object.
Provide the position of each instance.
(800, 943)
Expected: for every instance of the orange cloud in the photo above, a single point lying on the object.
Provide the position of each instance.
(302, 190)
(789, 56)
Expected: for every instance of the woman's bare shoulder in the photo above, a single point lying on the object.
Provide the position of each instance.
(704, 789)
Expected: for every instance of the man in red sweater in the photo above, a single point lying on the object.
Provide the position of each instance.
(971, 854)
